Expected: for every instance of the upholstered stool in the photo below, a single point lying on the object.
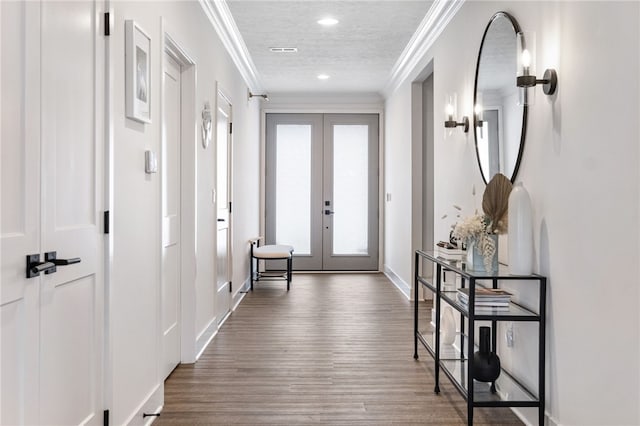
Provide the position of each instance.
(270, 252)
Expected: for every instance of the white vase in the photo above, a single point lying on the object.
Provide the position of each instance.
(448, 326)
(520, 231)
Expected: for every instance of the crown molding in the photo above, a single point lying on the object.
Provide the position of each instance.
(220, 17)
(428, 31)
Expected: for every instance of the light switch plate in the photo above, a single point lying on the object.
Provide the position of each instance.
(150, 162)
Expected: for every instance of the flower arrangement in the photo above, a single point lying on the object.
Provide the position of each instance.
(475, 230)
(478, 229)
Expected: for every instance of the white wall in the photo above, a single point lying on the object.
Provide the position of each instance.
(581, 166)
(246, 182)
(135, 277)
(397, 178)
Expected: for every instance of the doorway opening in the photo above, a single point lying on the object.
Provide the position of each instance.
(322, 189)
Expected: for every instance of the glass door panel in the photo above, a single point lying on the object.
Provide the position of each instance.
(293, 186)
(350, 189)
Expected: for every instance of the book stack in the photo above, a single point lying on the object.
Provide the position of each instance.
(487, 300)
(448, 251)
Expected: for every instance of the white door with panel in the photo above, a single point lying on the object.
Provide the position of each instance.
(223, 202)
(52, 339)
(322, 189)
(171, 142)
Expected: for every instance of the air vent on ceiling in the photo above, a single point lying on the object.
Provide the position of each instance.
(283, 49)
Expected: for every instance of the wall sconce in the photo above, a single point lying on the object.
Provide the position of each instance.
(451, 111)
(263, 96)
(526, 78)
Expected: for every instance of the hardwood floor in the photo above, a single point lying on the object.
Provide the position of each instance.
(336, 349)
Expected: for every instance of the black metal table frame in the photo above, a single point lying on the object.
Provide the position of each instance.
(468, 394)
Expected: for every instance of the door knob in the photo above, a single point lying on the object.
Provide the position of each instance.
(328, 212)
(51, 256)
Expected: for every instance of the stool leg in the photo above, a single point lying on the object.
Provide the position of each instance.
(251, 265)
(288, 273)
(251, 271)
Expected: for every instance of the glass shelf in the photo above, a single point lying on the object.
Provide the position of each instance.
(515, 312)
(427, 283)
(447, 352)
(508, 390)
(452, 360)
(460, 267)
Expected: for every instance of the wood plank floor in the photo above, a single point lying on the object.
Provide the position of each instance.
(336, 349)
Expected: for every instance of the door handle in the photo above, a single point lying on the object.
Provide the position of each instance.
(35, 267)
(328, 212)
(51, 257)
(220, 220)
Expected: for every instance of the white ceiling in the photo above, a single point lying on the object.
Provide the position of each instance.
(498, 64)
(358, 53)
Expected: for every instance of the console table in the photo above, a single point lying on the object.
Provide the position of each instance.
(456, 360)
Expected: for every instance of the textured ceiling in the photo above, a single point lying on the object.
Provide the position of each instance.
(358, 53)
(498, 62)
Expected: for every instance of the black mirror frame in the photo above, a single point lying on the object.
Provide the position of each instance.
(523, 134)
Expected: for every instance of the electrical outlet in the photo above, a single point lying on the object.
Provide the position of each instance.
(509, 334)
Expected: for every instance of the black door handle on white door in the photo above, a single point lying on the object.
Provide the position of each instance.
(35, 267)
(51, 256)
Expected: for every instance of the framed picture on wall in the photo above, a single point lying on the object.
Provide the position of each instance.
(138, 72)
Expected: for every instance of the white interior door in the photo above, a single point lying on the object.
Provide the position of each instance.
(223, 202)
(171, 131)
(52, 186)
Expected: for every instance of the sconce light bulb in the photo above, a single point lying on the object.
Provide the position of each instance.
(478, 109)
(449, 110)
(526, 58)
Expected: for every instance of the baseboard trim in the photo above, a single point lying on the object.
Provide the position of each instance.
(404, 288)
(153, 403)
(237, 298)
(550, 421)
(205, 338)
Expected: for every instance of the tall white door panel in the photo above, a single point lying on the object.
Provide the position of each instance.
(52, 186)
(223, 201)
(19, 214)
(171, 131)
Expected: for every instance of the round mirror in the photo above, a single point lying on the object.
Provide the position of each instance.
(499, 122)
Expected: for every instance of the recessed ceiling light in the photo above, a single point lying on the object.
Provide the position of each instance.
(323, 77)
(283, 49)
(327, 22)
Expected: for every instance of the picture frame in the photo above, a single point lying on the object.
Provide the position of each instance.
(138, 72)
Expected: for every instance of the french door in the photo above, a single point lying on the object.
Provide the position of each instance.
(322, 189)
(52, 308)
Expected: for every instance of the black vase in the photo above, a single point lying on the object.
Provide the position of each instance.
(486, 364)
